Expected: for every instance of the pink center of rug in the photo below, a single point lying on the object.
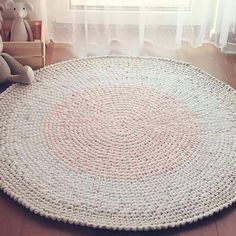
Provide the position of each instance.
(130, 131)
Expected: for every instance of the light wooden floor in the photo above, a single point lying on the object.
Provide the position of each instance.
(17, 221)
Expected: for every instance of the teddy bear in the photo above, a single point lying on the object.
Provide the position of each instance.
(12, 71)
(20, 30)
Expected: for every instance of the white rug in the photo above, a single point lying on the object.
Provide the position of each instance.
(120, 142)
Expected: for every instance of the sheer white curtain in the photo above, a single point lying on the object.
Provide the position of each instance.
(96, 27)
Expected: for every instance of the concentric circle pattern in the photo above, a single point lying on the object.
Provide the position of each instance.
(120, 142)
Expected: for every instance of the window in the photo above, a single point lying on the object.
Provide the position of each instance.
(161, 12)
(132, 5)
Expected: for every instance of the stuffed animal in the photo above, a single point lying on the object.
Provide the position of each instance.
(2, 8)
(20, 30)
(12, 71)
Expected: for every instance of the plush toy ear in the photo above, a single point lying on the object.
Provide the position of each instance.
(2, 8)
(29, 6)
(10, 4)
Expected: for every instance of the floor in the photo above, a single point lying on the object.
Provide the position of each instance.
(17, 221)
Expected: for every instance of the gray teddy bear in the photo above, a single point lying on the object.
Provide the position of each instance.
(20, 30)
(12, 71)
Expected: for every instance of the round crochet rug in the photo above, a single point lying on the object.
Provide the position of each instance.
(120, 143)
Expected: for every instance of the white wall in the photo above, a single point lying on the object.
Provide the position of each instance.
(35, 15)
